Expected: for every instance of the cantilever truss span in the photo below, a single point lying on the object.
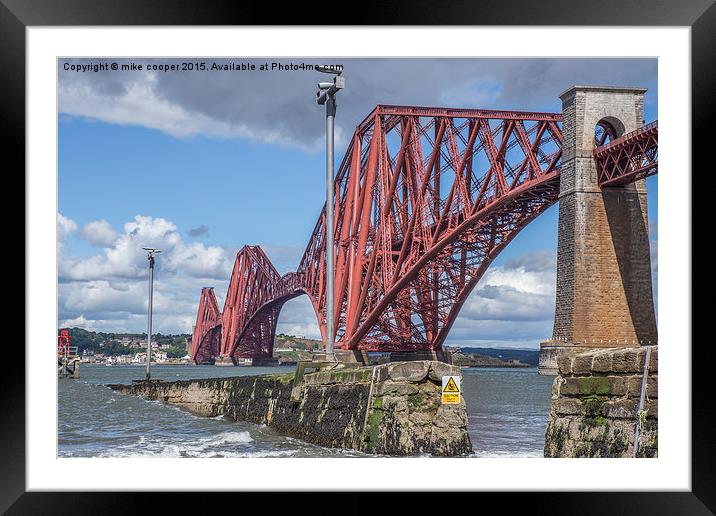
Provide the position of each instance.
(630, 157)
(425, 199)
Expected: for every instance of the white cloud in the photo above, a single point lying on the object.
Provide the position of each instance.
(298, 318)
(108, 291)
(79, 322)
(65, 226)
(99, 233)
(511, 306)
(199, 261)
(125, 258)
(276, 107)
(140, 103)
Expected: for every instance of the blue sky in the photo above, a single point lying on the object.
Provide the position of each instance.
(201, 164)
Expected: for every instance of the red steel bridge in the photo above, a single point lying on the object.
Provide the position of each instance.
(426, 198)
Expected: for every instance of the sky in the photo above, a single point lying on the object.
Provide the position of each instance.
(201, 162)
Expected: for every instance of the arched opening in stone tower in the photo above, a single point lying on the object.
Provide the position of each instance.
(607, 130)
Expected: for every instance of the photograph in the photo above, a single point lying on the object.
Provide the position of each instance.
(357, 257)
(425, 251)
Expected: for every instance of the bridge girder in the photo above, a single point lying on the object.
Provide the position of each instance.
(629, 158)
(425, 199)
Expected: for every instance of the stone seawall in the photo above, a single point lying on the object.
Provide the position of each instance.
(595, 404)
(391, 409)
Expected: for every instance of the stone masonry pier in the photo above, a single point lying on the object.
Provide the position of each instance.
(604, 293)
(391, 409)
(595, 404)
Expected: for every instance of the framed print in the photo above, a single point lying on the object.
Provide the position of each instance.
(503, 265)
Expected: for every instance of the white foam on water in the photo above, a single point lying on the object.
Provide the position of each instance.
(259, 454)
(506, 454)
(201, 447)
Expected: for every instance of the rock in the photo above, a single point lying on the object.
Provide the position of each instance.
(440, 369)
(450, 416)
(624, 409)
(396, 388)
(575, 429)
(420, 418)
(582, 363)
(617, 385)
(654, 360)
(564, 363)
(652, 387)
(409, 371)
(652, 408)
(602, 362)
(396, 404)
(569, 386)
(629, 360)
(568, 406)
(449, 442)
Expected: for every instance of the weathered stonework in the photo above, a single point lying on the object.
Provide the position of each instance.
(392, 409)
(595, 400)
(604, 291)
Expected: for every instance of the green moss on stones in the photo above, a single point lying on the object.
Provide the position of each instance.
(351, 375)
(285, 378)
(583, 449)
(594, 421)
(593, 405)
(593, 385)
(416, 400)
(422, 402)
(593, 412)
(555, 439)
(340, 375)
(372, 431)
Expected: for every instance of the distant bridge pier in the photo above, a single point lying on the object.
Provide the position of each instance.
(604, 291)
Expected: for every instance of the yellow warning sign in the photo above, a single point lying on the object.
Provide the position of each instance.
(451, 389)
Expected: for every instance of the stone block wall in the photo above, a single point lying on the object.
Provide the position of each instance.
(604, 291)
(392, 409)
(407, 416)
(595, 400)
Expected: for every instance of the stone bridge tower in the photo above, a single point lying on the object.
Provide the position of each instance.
(604, 291)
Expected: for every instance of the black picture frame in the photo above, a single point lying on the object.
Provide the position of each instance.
(700, 15)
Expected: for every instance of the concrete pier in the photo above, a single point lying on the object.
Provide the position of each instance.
(391, 409)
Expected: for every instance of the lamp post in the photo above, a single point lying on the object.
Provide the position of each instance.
(150, 256)
(326, 94)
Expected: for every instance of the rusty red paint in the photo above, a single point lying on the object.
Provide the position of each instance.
(425, 199)
(630, 157)
(63, 341)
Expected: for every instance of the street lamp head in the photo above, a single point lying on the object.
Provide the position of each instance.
(329, 89)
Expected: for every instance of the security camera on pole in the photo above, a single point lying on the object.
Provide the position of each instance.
(151, 252)
(327, 95)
